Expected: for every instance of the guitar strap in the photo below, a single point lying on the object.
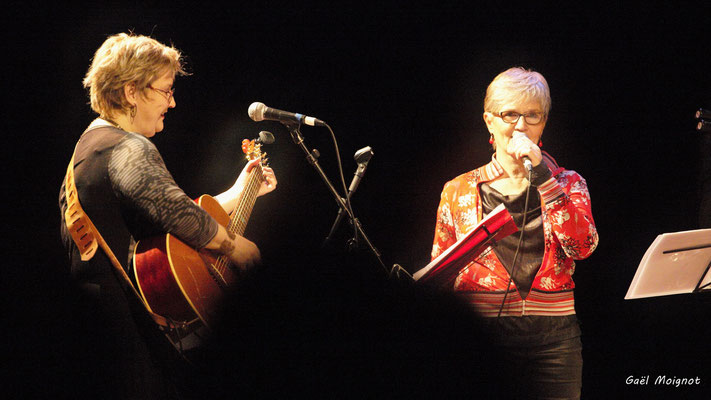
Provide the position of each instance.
(88, 240)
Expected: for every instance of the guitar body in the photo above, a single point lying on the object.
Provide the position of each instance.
(179, 282)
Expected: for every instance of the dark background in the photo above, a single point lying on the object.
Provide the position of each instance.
(410, 83)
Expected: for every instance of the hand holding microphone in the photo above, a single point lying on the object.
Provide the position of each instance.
(522, 148)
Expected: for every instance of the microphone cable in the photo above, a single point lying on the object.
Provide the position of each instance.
(343, 182)
(518, 246)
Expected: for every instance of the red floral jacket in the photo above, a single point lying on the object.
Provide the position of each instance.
(569, 231)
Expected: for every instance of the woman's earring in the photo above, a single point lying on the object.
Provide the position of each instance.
(491, 139)
(133, 112)
(540, 143)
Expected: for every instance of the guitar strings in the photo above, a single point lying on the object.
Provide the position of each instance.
(234, 221)
(222, 262)
(237, 224)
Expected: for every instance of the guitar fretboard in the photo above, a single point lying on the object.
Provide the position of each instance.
(243, 210)
(245, 204)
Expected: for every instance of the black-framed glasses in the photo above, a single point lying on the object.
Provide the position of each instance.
(532, 118)
(169, 93)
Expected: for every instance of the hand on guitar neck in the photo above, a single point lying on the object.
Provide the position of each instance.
(229, 198)
(242, 252)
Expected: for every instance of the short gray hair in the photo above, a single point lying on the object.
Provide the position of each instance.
(517, 85)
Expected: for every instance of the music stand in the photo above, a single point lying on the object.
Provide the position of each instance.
(444, 269)
(675, 263)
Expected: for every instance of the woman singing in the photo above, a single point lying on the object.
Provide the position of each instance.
(124, 187)
(523, 286)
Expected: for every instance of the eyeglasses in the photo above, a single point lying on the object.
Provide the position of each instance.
(512, 117)
(169, 93)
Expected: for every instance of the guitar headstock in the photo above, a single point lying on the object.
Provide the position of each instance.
(252, 150)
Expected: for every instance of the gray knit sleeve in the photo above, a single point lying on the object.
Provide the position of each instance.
(139, 176)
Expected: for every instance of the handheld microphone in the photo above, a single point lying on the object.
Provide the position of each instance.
(526, 161)
(528, 164)
(260, 112)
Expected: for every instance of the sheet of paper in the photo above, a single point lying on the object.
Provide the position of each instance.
(673, 264)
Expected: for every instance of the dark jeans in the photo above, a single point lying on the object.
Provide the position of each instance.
(552, 371)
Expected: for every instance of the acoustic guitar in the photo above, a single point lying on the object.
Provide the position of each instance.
(187, 285)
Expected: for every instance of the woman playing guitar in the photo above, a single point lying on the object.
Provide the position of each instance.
(127, 192)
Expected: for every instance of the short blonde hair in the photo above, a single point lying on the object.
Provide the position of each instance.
(122, 59)
(517, 85)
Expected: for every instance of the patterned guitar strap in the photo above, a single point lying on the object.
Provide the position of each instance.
(88, 239)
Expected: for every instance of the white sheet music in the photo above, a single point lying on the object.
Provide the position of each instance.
(673, 264)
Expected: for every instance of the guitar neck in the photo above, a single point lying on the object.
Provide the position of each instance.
(245, 203)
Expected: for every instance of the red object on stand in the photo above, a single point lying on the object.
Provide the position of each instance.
(444, 269)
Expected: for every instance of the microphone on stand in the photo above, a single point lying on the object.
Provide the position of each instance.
(362, 157)
(259, 112)
(266, 137)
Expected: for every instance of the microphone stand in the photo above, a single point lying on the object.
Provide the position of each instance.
(338, 220)
(299, 140)
(362, 158)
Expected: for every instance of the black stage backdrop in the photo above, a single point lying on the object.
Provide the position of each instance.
(409, 82)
